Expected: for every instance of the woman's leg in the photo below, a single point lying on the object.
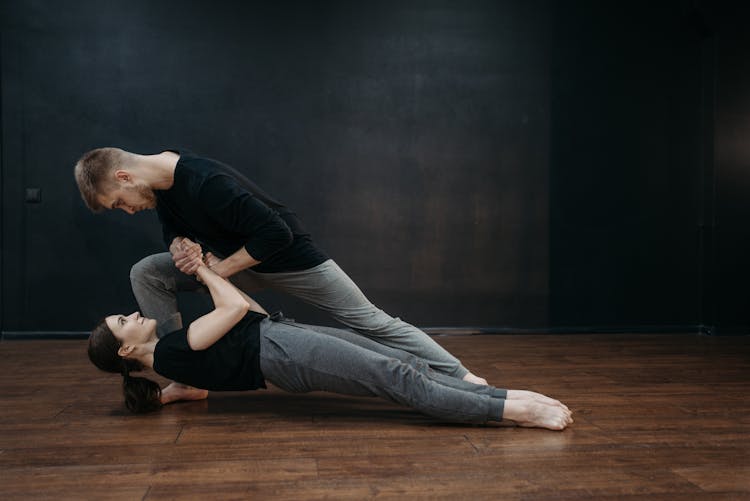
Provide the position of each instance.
(421, 365)
(301, 360)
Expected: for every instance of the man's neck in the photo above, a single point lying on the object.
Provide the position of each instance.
(158, 170)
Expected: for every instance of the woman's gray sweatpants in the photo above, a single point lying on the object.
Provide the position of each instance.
(156, 281)
(301, 358)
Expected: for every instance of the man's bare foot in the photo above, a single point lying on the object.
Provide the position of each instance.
(532, 395)
(177, 391)
(533, 414)
(471, 378)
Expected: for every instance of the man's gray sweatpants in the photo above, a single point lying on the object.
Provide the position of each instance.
(301, 358)
(156, 281)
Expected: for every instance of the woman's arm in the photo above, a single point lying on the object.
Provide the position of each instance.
(230, 308)
(210, 260)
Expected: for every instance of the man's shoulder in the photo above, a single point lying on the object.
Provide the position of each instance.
(203, 169)
(195, 165)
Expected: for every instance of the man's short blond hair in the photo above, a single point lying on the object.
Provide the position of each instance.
(92, 173)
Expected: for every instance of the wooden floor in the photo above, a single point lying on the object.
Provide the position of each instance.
(657, 417)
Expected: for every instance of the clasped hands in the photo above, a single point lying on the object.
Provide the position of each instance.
(188, 256)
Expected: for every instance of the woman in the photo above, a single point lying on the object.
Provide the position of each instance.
(238, 347)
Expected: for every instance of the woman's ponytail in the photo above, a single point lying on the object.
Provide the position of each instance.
(141, 394)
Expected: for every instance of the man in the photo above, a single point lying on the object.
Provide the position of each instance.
(250, 238)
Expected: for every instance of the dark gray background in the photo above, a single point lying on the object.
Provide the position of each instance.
(517, 164)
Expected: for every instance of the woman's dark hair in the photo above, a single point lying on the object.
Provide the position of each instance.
(141, 394)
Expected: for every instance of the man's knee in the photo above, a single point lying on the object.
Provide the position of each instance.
(150, 267)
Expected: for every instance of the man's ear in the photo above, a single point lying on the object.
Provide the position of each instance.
(123, 176)
(125, 350)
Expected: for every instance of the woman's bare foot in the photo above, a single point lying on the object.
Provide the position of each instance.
(471, 378)
(533, 414)
(532, 395)
(177, 391)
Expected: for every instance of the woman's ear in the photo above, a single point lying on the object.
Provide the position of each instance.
(125, 350)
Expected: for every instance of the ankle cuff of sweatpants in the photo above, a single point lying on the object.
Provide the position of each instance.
(499, 393)
(497, 407)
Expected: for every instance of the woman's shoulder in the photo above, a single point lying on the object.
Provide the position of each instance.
(174, 340)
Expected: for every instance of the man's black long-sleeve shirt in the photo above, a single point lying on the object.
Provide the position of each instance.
(211, 203)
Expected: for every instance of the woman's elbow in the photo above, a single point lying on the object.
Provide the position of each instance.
(242, 307)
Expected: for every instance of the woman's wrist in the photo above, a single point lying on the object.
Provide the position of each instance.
(201, 270)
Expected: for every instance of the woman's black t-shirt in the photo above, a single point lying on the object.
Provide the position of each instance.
(231, 363)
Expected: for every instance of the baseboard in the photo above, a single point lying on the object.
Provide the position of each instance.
(17, 335)
(453, 331)
(595, 329)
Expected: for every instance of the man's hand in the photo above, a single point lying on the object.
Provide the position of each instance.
(186, 254)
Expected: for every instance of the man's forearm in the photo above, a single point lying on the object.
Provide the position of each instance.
(235, 263)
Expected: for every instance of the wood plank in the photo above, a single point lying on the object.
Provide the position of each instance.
(657, 417)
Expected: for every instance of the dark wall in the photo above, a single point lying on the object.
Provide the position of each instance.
(411, 137)
(729, 264)
(520, 164)
(626, 165)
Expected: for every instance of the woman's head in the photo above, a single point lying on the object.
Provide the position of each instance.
(112, 345)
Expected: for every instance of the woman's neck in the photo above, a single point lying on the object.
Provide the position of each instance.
(146, 353)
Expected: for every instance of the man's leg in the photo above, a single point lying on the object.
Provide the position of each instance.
(330, 289)
(155, 281)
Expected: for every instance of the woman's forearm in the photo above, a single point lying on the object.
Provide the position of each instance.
(231, 307)
(223, 293)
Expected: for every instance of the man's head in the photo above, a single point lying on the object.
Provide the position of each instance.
(107, 179)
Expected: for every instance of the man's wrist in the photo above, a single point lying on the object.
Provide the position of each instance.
(217, 268)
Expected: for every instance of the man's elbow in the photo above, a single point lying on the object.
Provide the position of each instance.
(264, 246)
(286, 238)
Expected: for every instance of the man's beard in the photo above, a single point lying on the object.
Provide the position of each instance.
(148, 195)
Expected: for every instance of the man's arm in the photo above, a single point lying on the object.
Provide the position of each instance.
(238, 212)
(232, 264)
